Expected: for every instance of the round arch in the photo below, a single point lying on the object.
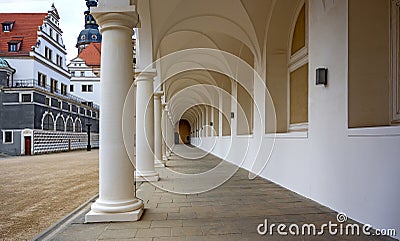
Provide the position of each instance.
(60, 123)
(47, 121)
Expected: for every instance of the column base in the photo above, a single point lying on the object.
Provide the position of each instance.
(146, 177)
(103, 211)
(165, 158)
(158, 163)
(93, 217)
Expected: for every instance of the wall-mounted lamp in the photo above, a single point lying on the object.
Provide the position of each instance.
(232, 115)
(211, 124)
(321, 76)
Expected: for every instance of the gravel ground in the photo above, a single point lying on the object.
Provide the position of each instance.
(37, 191)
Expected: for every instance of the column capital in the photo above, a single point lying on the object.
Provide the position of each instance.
(158, 94)
(145, 75)
(125, 20)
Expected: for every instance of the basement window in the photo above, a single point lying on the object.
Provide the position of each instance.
(7, 137)
(26, 98)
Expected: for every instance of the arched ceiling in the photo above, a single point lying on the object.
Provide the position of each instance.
(236, 27)
(244, 22)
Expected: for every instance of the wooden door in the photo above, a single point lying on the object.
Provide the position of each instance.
(27, 145)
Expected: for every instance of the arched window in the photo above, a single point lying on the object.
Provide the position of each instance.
(298, 74)
(60, 125)
(47, 122)
(78, 125)
(70, 125)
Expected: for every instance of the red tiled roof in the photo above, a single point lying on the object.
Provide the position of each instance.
(91, 54)
(25, 28)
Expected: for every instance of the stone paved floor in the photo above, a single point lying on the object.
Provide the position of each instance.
(230, 212)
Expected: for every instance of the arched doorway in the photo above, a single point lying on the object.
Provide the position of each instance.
(182, 132)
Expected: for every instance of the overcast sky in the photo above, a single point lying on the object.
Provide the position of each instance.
(71, 14)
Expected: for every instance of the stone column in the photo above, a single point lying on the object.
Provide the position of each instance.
(117, 200)
(145, 128)
(157, 129)
(164, 132)
(170, 130)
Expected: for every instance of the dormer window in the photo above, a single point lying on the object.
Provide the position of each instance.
(14, 45)
(7, 26)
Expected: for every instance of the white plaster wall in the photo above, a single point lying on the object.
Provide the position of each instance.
(23, 67)
(89, 96)
(357, 175)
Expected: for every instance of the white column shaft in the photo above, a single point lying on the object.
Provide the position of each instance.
(164, 133)
(157, 129)
(145, 128)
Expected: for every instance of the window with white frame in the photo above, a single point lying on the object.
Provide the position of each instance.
(42, 79)
(14, 45)
(54, 86)
(7, 26)
(59, 60)
(8, 137)
(87, 88)
(395, 61)
(48, 53)
(63, 89)
(298, 73)
(47, 122)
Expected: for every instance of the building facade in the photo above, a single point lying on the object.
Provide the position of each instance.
(85, 73)
(38, 115)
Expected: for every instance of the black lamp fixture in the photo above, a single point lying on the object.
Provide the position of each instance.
(89, 147)
(321, 76)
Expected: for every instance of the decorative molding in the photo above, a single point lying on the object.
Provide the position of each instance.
(298, 60)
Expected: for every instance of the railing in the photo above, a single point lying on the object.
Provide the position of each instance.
(32, 83)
